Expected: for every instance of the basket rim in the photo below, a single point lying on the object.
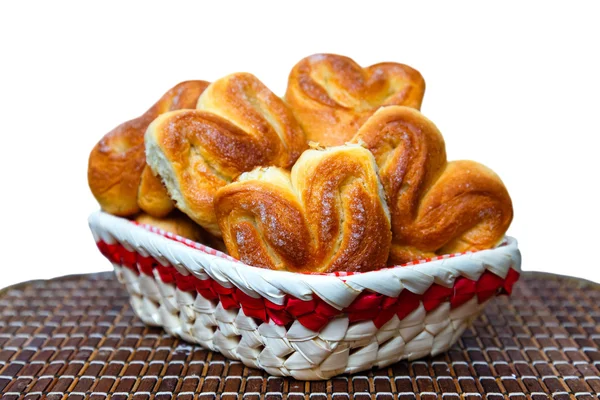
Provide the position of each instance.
(507, 240)
(199, 260)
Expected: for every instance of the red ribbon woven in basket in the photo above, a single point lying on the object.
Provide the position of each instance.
(314, 314)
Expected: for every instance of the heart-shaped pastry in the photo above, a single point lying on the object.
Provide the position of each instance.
(437, 207)
(117, 162)
(239, 124)
(332, 96)
(328, 214)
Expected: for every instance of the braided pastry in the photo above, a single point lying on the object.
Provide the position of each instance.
(436, 207)
(117, 164)
(328, 215)
(239, 125)
(332, 96)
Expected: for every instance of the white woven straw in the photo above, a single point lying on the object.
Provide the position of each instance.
(340, 347)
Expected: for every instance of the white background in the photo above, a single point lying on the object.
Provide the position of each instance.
(515, 86)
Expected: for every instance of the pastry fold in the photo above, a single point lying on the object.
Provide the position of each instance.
(332, 96)
(239, 124)
(437, 207)
(329, 214)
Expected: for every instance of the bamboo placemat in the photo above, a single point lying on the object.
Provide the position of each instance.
(77, 337)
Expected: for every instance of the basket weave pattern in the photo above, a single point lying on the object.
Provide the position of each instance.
(306, 326)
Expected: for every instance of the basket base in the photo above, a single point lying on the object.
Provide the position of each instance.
(294, 350)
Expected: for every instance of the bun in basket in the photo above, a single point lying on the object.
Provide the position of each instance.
(153, 196)
(180, 224)
(239, 125)
(329, 214)
(332, 96)
(117, 162)
(437, 207)
(176, 223)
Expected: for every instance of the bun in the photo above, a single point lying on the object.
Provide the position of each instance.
(239, 124)
(180, 224)
(117, 162)
(331, 96)
(436, 207)
(152, 195)
(176, 223)
(328, 215)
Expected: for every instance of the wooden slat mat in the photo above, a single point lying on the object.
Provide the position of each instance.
(77, 337)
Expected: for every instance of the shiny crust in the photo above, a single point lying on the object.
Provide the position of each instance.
(117, 162)
(239, 124)
(328, 215)
(152, 195)
(332, 96)
(436, 207)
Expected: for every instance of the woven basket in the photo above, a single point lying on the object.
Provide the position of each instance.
(308, 326)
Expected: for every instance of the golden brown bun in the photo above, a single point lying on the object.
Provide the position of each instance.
(328, 215)
(436, 207)
(180, 224)
(152, 196)
(332, 96)
(239, 124)
(116, 163)
(176, 223)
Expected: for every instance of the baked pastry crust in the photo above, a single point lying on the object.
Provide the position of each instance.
(152, 195)
(328, 214)
(239, 124)
(331, 96)
(117, 162)
(176, 223)
(437, 207)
